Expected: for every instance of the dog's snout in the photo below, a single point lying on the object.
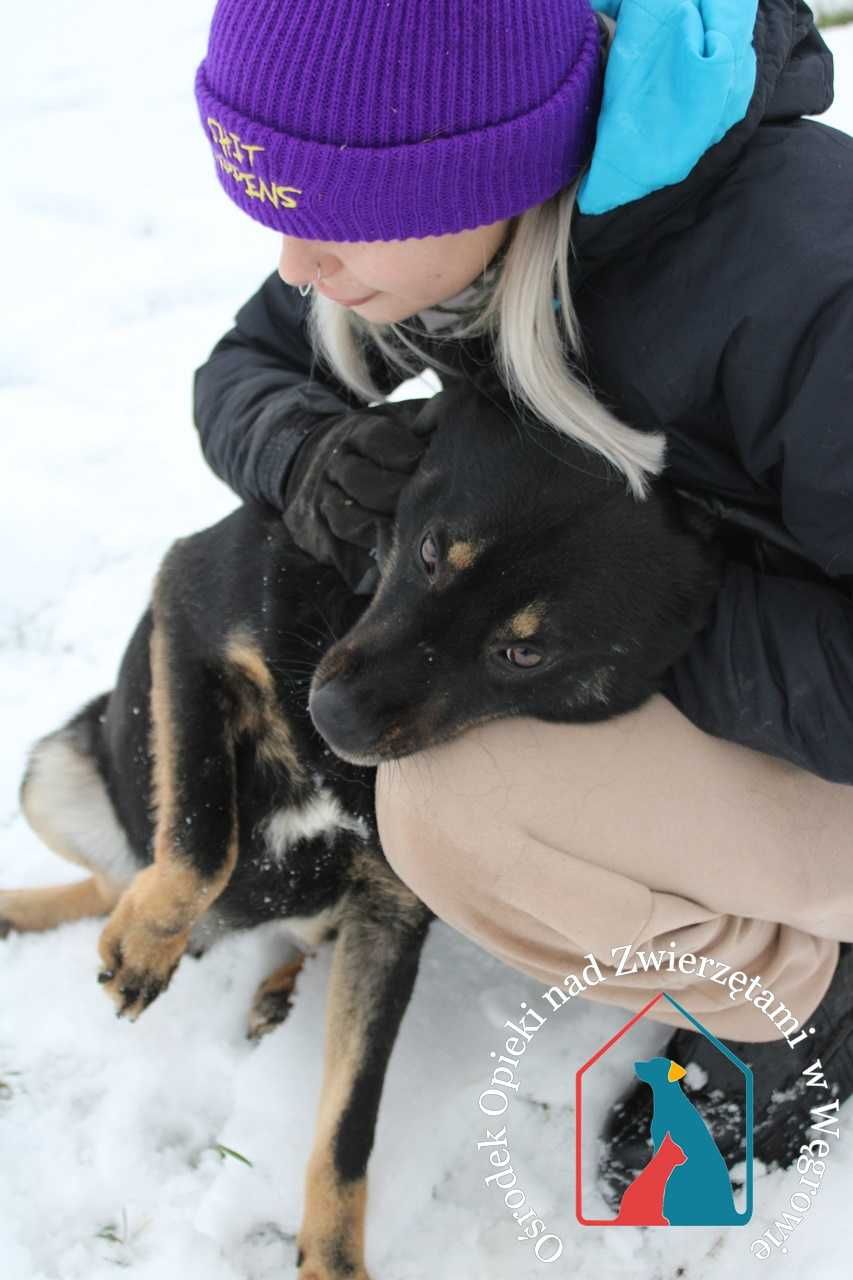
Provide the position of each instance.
(340, 660)
(333, 709)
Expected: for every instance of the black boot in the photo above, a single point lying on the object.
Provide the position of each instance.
(781, 1097)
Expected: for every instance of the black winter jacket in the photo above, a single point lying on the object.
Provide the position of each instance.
(718, 309)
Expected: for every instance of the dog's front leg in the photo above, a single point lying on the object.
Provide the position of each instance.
(195, 840)
(373, 972)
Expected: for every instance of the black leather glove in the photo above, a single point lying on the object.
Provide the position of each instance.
(342, 487)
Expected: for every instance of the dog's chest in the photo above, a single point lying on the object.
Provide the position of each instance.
(295, 860)
(322, 818)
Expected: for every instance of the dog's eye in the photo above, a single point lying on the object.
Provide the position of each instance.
(521, 655)
(429, 553)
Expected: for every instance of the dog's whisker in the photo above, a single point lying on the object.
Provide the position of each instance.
(296, 669)
(330, 628)
(303, 636)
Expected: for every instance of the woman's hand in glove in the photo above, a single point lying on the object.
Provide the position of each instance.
(345, 481)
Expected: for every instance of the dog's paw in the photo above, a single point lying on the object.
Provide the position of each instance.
(310, 1266)
(139, 954)
(315, 1271)
(273, 1000)
(267, 1012)
(7, 911)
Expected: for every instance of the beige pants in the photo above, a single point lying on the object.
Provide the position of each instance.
(544, 842)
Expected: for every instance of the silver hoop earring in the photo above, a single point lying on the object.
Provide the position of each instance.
(304, 288)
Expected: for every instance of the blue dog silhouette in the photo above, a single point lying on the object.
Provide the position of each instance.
(698, 1192)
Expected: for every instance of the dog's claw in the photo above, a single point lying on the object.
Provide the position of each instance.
(138, 957)
(131, 995)
(150, 994)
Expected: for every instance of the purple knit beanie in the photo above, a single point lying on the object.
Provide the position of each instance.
(387, 119)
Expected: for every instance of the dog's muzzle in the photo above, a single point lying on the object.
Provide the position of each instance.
(336, 718)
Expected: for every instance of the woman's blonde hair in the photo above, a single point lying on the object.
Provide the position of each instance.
(537, 365)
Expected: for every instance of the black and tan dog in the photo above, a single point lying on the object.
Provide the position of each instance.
(202, 794)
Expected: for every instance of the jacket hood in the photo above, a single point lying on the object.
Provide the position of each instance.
(686, 85)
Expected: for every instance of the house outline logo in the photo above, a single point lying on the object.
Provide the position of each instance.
(685, 1181)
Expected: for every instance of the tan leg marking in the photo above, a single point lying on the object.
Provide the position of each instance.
(35, 910)
(273, 998)
(331, 1237)
(260, 713)
(332, 1248)
(148, 931)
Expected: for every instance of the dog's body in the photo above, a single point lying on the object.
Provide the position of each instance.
(202, 797)
(698, 1192)
(223, 659)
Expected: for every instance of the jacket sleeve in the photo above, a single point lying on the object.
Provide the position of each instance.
(261, 390)
(773, 668)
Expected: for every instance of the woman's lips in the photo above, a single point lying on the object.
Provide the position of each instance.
(352, 302)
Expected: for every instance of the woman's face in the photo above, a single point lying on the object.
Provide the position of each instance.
(405, 276)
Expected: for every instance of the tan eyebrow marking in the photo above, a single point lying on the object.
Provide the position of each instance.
(462, 554)
(526, 622)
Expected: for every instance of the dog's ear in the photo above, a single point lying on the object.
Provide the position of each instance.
(482, 393)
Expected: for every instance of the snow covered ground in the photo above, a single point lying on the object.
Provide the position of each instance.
(830, 9)
(123, 264)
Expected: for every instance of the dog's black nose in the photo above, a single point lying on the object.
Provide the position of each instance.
(333, 710)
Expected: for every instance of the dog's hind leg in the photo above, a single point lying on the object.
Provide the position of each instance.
(273, 998)
(64, 799)
(35, 910)
(375, 962)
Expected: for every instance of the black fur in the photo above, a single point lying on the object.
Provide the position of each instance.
(534, 520)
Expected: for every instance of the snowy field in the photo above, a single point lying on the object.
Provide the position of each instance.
(123, 264)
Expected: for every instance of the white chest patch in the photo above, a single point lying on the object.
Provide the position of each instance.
(322, 815)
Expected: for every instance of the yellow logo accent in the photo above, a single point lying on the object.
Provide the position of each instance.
(234, 153)
(675, 1071)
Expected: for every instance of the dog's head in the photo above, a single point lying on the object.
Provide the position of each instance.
(521, 578)
(659, 1071)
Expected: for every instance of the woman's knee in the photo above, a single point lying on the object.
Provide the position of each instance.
(399, 822)
(434, 808)
(481, 787)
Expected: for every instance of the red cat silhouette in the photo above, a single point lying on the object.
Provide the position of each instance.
(642, 1202)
